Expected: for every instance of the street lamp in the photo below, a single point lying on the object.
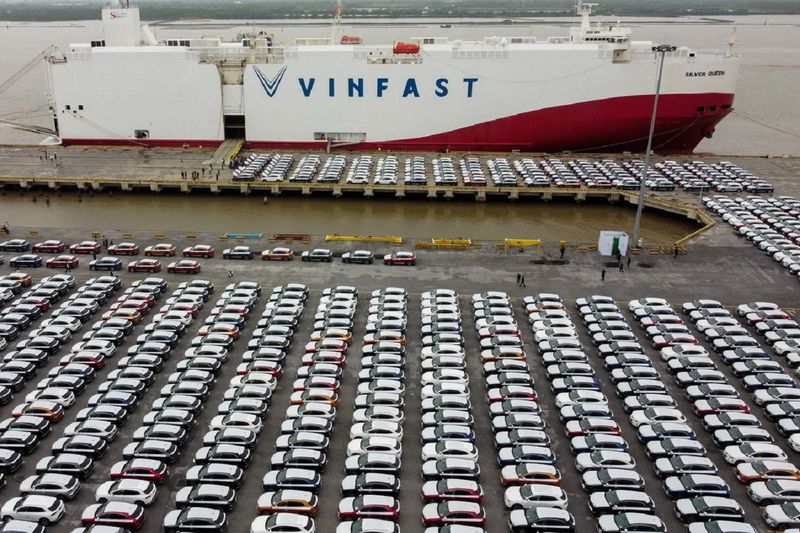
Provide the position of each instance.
(662, 50)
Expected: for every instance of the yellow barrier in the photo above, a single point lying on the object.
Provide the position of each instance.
(95, 234)
(458, 242)
(365, 238)
(441, 246)
(34, 232)
(127, 235)
(522, 243)
(223, 237)
(191, 236)
(159, 236)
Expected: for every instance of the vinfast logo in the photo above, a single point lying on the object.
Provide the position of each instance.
(379, 87)
(270, 85)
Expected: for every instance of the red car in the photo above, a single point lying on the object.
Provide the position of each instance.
(462, 513)
(85, 247)
(162, 249)
(147, 469)
(62, 261)
(24, 279)
(369, 506)
(185, 266)
(53, 247)
(400, 258)
(199, 250)
(145, 265)
(452, 489)
(117, 514)
(124, 248)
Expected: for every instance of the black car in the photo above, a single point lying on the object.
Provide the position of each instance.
(32, 424)
(206, 495)
(223, 453)
(113, 413)
(19, 441)
(12, 381)
(216, 473)
(90, 445)
(15, 245)
(25, 261)
(151, 449)
(10, 461)
(317, 255)
(66, 463)
(106, 263)
(237, 252)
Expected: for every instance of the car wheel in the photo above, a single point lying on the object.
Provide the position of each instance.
(102, 500)
(44, 522)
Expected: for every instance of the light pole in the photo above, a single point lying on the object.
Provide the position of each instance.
(662, 50)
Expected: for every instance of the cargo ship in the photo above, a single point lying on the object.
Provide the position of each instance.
(589, 91)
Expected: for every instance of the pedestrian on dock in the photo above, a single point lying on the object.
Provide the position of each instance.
(562, 249)
(94, 256)
(603, 274)
(522, 281)
(203, 170)
(519, 277)
(621, 267)
(676, 251)
(230, 273)
(629, 262)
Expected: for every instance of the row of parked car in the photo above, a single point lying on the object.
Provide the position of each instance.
(601, 453)
(691, 176)
(57, 475)
(290, 500)
(533, 494)
(771, 224)
(679, 458)
(451, 493)
(370, 492)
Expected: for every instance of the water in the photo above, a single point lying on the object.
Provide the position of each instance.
(345, 216)
(765, 120)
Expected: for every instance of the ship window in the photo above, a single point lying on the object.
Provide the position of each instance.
(141, 134)
(184, 42)
(67, 107)
(700, 109)
(712, 108)
(726, 106)
(80, 108)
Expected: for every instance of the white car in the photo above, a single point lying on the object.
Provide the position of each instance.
(577, 397)
(647, 302)
(373, 444)
(652, 415)
(296, 523)
(682, 350)
(106, 348)
(71, 323)
(44, 510)
(752, 307)
(535, 495)
(137, 491)
(750, 452)
(794, 442)
(449, 449)
(381, 428)
(64, 397)
(598, 459)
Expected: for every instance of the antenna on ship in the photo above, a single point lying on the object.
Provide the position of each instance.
(584, 11)
(336, 29)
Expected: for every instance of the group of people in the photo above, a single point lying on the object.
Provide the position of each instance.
(201, 174)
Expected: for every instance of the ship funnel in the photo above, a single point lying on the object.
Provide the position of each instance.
(121, 27)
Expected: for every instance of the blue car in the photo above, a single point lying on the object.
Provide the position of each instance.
(106, 263)
(25, 261)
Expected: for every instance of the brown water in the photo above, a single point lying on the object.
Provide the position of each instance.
(318, 216)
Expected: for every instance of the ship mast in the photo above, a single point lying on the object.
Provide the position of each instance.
(336, 28)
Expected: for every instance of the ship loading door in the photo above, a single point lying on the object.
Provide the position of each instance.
(234, 127)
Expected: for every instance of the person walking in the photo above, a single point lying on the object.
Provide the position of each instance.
(621, 267)
(522, 281)
(603, 274)
(230, 273)
(676, 250)
(629, 262)
(519, 276)
(94, 256)
(562, 249)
